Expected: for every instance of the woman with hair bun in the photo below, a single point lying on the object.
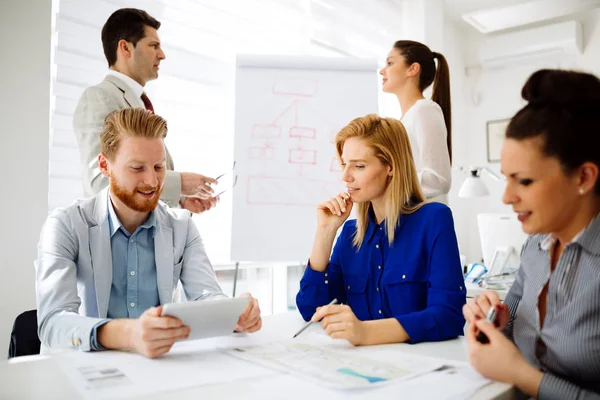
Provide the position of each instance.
(547, 339)
(410, 68)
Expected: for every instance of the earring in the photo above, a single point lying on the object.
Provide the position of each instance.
(580, 190)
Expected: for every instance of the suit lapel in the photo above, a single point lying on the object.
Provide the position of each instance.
(100, 253)
(163, 256)
(131, 99)
(128, 94)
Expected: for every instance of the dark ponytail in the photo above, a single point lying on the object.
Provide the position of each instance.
(415, 52)
(441, 95)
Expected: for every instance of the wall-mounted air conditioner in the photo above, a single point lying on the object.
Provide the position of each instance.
(550, 42)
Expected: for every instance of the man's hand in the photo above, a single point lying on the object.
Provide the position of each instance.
(250, 320)
(153, 335)
(196, 185)
(197, 205)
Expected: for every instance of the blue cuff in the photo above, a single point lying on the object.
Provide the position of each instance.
(418, 326)
(318, 286)
(316, 278)
(432, 324)
(315, 291)
(94, 344)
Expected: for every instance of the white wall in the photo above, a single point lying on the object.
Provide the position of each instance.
(426, 22)
(454, 51)
(25, 27)
(499, 96)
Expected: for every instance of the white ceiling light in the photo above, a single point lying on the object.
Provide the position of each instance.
(502, 18)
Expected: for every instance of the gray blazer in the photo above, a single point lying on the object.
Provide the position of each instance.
(94, 105)
(74, 268)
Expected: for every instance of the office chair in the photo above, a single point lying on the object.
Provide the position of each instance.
(24, 338)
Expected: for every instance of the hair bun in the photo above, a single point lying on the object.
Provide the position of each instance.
(562, 88)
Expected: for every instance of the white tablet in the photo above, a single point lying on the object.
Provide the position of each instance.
(208, 318)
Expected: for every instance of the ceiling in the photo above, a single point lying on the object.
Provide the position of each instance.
(455, 8)
(492, 16)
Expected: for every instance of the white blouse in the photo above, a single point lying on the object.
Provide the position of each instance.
(424, 123)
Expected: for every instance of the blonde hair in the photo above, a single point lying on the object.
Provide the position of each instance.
(388, 138)
(132, 122)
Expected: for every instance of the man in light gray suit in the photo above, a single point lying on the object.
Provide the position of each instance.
(107, 264)
(132, 50)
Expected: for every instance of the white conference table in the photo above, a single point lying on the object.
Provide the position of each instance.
(40, 377)
(473, 290)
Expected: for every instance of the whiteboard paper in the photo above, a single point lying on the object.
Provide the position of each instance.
(287, 113)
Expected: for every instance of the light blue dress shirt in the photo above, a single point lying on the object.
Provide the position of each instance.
(134, 287)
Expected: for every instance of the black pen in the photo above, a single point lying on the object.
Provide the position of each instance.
(334, 301)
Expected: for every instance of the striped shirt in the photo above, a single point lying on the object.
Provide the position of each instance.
(567, 347)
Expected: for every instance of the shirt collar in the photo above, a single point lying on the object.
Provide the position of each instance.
(114, 222)
(588, 237)
(135, 87)
(373, 226)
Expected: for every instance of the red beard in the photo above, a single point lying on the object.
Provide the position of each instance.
(133, 199)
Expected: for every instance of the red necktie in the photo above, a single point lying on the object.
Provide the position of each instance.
(147, 103)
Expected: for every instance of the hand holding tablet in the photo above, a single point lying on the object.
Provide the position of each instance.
(250, 320)
(209, 318)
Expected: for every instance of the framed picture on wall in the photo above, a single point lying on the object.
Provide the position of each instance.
(495, 131)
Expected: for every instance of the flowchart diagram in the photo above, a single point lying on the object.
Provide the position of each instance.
(302, 137)
(288, 110)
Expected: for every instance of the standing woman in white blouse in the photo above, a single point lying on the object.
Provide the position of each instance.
(410, 68)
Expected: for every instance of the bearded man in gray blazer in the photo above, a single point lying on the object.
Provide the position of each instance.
(107, 264)
(133, 52)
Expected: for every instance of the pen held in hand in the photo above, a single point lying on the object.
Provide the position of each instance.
(492, 318)
(309, 323)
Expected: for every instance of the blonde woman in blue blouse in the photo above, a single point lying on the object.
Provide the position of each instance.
(395, 268)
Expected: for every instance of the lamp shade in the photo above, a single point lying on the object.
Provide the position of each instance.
(473, 186)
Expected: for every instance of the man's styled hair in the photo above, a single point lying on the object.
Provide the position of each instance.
(132, 122)
(127, 24)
